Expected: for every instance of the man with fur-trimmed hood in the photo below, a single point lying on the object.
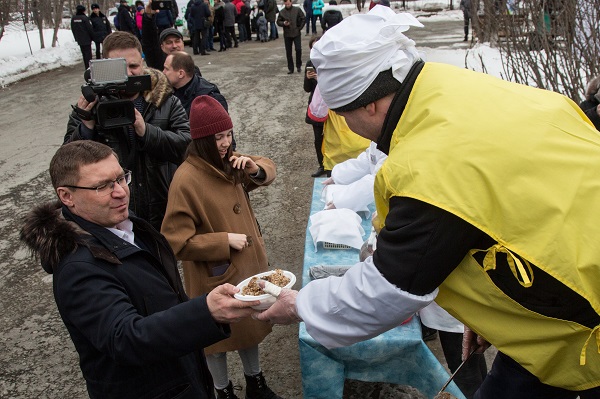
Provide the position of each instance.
(154, 145)
(117, 288)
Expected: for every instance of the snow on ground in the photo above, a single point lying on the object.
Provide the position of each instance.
(17, 62)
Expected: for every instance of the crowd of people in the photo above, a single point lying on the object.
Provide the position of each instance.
(494, 226)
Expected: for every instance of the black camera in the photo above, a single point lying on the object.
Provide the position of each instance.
(107, 78)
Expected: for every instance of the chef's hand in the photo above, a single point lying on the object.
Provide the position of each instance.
(330, 205)
(283, 311)
(224, 308)
(470, 341)
(328, 181)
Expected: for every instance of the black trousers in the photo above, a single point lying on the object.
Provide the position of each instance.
(86, 52)
(199, 41)
(509, 380)
(318, 131)
(98, 50)
(288, 51)
(230, 35)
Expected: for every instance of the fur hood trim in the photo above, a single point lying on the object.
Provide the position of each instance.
(49, 236)
(161, 88)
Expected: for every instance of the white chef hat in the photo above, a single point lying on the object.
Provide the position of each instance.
(354, 52)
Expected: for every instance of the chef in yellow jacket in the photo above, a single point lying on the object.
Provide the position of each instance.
(489, 204)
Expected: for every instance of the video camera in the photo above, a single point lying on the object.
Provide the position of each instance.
(106, 78)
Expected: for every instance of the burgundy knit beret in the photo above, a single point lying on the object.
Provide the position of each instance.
(208, 117)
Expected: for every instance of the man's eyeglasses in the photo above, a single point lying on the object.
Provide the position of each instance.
(107, 188)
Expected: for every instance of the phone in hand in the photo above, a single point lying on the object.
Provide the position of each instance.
(161, 5)
(310, 69)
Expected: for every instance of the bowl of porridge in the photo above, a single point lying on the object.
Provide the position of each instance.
(251, 291)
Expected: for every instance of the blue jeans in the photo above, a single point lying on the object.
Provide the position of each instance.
(274, 34)
(509, 380)
(210, 41)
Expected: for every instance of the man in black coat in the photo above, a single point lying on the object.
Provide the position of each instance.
(126, 21)
(179, 70)
(101, 27)
(198, 15)
(117, 286)
(83, 34)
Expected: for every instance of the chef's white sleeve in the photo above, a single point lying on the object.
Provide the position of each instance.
(340, 311)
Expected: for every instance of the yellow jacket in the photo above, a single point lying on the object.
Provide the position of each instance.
(525, 172)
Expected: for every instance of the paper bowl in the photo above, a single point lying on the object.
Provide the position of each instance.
(266, 300)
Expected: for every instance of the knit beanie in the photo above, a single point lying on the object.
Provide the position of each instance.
(208, 117)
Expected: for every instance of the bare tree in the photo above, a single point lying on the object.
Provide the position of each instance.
(550, 44)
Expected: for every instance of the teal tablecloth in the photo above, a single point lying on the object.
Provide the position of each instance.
(398, 356)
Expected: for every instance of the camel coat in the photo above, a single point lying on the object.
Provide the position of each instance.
(204, 205)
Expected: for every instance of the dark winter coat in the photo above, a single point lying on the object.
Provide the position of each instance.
(229, 14)
(307, 5)
(271, 10)
(82, 29)
(296, 18)
(126, 21)
(164, 19)
(219, 17)
(199, 13)
(136, 332)
(153, 158)
(198, 86)
(101, 26)
(331, 18)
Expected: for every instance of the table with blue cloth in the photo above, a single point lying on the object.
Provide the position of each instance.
(398, 356)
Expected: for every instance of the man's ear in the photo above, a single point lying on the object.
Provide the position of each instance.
(65, 196)
(371, 108)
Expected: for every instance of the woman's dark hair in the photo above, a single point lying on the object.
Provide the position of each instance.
(206, 148)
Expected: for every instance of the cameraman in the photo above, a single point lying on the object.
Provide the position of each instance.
(154, 145)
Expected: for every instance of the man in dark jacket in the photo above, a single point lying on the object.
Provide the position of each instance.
(83, 34)
(271, 11)
(101, 27)
(126, 21)
(332, 16)
(307, 5)
(292, 19)
(199, 14)
(229, 18)
(154, 145)
(117, 286)
(179, 70)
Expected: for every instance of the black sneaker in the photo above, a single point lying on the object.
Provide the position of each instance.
(320, 172)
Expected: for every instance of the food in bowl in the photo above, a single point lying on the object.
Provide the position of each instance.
(277, 277)
(266, 300)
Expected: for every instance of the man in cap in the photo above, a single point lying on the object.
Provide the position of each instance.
(493, 217)
(83, 34)
(101, 27)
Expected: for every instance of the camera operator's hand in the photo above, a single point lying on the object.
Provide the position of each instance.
(139, 125)
(87, 106)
